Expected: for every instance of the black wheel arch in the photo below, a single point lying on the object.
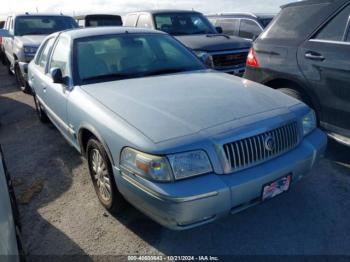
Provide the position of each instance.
(277, 83)
(85, 134)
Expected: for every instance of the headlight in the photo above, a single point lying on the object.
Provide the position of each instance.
(205, 57)
(176, 166)
(309, 122)
(30, 49)
(189, 164)
(145, 165)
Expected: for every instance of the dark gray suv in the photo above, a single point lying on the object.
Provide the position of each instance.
(305, 53)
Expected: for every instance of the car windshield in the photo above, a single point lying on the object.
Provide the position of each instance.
(265, 21)
(42, 25)
(116, 57)
(183, 24)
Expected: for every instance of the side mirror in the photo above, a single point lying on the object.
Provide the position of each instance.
(5, 33)
(56, 75)
(219, 29)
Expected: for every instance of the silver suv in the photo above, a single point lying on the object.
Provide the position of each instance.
(22, 35)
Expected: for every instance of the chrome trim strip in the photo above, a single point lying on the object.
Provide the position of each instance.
(329, 41)
(164, 198)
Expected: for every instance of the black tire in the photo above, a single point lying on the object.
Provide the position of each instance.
(22, 83)
(109, 196)
(301, 97)
(39, 110)
(8, 64)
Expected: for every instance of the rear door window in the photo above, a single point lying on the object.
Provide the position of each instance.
(249, 29)
(336, 29)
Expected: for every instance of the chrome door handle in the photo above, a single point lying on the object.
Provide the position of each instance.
(314, 56)
(44, 89)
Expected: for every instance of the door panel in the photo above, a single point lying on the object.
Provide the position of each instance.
(325, 63)
(55, 95)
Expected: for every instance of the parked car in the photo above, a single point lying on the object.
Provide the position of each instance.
(182, 143)
(2, 25)
(99, 20)
(245, 25)
(10, 241)
(22, 37)
(219, 51)
(310, 63)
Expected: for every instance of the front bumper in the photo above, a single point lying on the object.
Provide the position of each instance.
(193, 202)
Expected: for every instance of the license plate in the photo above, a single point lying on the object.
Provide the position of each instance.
(276, 188)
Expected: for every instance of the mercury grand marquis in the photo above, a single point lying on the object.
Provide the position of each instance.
(184, 144)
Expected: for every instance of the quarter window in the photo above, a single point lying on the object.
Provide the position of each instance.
(44, 55)
(60, 56)
(249, 29)
(335, 29)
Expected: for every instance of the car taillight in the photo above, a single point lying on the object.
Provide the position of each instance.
(252, 60)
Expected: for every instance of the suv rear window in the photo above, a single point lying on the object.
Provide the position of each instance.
(42, 25)
(291, 22)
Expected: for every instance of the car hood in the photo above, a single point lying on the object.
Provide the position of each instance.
(212, 42)
(31, 40)
(172, 106)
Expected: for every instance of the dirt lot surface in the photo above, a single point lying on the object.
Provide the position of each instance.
(61, 214)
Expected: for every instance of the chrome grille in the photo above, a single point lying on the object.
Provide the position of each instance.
(257, 149)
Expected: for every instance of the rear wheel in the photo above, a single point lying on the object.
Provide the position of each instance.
(299, 96)
(102, 177)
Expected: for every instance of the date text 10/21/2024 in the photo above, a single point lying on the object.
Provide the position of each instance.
(173, 258)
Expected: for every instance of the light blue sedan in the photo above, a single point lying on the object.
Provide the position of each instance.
(184, 144)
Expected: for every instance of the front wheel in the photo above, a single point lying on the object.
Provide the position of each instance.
(102, 177)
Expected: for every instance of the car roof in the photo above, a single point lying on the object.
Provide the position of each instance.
(107, 30)
(310, 2)
(166, 11)
(244, 15)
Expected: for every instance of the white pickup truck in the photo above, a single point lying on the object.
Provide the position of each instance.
(22, 35)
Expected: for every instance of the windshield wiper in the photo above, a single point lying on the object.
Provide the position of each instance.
(114, 75)
(166, 71)
(32, 33)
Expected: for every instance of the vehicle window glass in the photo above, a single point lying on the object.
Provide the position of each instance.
(60, 56)
(265, 21)
(144, 21)
(130, 20)
(103, 20)
(335, 29)
(43, 57)
(214, 21)
(116, 57)
(183, 24)
(290, 22)
(249, 29)
(43, 25)
(229, 26)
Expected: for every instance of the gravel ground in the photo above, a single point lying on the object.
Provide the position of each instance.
(63, 216)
